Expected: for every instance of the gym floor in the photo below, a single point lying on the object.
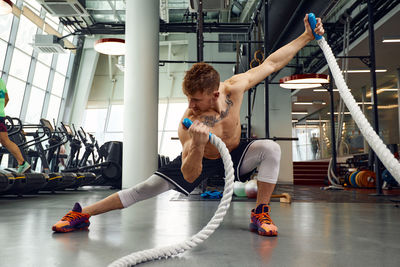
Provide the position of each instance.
(312, 232)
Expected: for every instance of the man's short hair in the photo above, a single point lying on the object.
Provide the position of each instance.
(201, 77)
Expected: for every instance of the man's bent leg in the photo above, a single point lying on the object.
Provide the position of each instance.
(265, 155)
(264, 192)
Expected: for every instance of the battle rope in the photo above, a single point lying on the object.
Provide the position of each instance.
(172, 250)
(383, 153)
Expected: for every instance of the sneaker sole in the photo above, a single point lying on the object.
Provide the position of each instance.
(254, 228)
(67, 229)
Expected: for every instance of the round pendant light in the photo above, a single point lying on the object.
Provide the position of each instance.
(5, 7)
(110, 46)
(304, 81)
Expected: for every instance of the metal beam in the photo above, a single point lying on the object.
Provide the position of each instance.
(266, 53)
(333, 137)
(207, 27)
(199, 32)
(371, 35)
(192, 62)
(245, 15)
(109, 12)
(249, 103)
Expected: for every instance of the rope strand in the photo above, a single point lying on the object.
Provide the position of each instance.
(383, 153)
(173, 250)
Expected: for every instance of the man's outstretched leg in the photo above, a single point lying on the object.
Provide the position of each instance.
(266, 155)
(74, 220)
(78, 217)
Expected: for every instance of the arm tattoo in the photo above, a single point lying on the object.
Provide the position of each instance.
(210, 121)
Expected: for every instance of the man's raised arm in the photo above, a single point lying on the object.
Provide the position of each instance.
(276, 60)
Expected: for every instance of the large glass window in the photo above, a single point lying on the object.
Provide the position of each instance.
(41, 75)
(46, 58)
(69, 38)
(174, 115)
(16, 90)
(94, 121)
(162, 110)
(19, 69)
(170, 115)
(34, 6)
(20, 64)
(58, 84)
(34, 111)
(5, 26)
(308, 145)
(52, 21)
(62, 63)
(112, 137)
(25, 34)
(54, 108)
(3, 51)
(115, 122)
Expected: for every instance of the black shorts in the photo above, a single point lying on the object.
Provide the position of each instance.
(211, 168)
(3, 127)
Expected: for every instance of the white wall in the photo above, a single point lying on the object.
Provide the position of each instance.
(280, 119)
(171, 75)
(280, 122)
(84, 81)
(102, 87)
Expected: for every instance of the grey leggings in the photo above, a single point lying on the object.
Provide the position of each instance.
(264, 154)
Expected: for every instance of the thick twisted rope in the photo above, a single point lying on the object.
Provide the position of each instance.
(172, 250)
(383, 153)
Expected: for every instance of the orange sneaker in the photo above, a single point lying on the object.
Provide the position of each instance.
(261, 222)
(73, 220)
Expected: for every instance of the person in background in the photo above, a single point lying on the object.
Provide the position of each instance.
(23, 166)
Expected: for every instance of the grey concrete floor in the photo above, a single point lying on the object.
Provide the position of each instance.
(310, 233)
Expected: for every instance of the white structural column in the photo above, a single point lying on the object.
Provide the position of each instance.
(398, 97)
(140, 91)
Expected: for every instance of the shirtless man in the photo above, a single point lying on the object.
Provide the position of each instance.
(214, 106)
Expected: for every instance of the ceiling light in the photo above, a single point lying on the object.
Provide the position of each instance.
(317, 121)
(303, 103)
(306, 126)
(299, 113)
(364, 71)
(336, 113)
(5, 7)
(393, 39)
(326, 90)
(386, 107)
(389, 89)
(381, 90)
(295, 120)
(304, 81)
(365, 103)
(110, 46)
